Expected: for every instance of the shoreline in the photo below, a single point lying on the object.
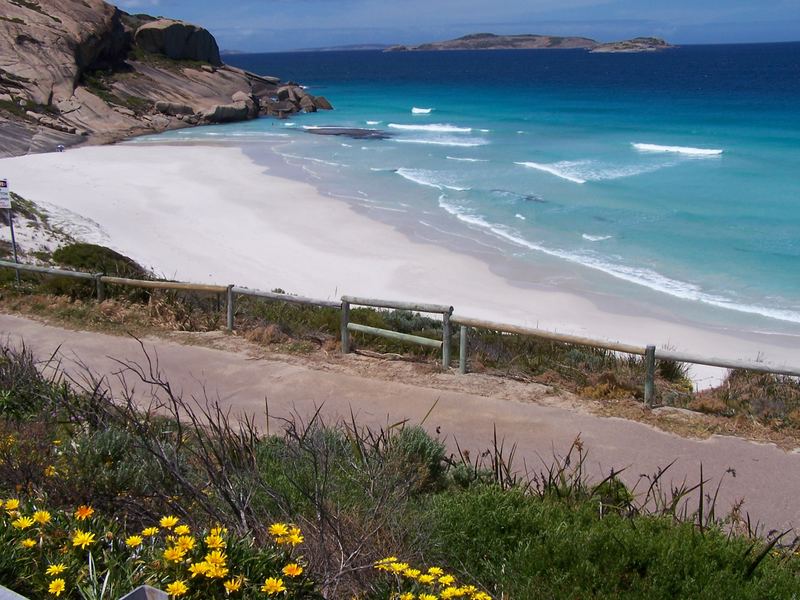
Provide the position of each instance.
(247, 225)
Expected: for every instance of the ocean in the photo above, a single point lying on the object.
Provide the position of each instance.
(669, 179)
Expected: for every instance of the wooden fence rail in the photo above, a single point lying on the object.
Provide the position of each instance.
(650, 353)
(445, 311)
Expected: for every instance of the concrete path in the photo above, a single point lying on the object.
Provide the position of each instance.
(766, 477)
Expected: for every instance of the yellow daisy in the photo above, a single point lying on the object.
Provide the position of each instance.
(292, 570)
(56, 587)
(273, 585)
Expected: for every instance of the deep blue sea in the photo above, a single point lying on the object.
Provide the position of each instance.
(672, 178)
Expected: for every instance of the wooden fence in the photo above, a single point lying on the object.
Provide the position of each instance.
(649, 352)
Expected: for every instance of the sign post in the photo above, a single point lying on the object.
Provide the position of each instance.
(5, 202)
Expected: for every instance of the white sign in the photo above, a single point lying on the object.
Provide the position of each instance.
(5, 197)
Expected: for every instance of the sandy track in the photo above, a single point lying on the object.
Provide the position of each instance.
(529, 415)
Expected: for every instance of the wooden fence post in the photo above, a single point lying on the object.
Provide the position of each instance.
(344, 330)
(99, 287)
(230, 306)
(462, 351)
(447, 333)
(650, 375)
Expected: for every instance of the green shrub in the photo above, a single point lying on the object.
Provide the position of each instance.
(524, 546)
(98, 259)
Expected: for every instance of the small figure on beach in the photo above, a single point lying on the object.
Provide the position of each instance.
(60, 147)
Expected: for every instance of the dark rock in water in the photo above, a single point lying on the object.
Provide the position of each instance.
(178, 40)
(351, 132)
(321, 102)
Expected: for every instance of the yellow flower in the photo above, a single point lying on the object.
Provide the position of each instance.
(56, 569)
(42, 517)
(273, 585)
(215, 542)
(182, 530)
(219, 530)
(174, 554)
(279, 529)
(23, 523)
(12, 504)
(57, 586)
(232, 585)
(407, 596)
(84, 512)
(447, 579)
(435, 571)
(293, 537)
(399, 567)
(200, 568)
(82, 539)
(411, 573)
(168, 522)
(133, 541)
(177, 588)
(292, 570)
(28, 543)
(451, 592)
(427, 597)
(150, 531)
(216, 558)
(217, 571)
(185, 542)
(426, 579)
(481, 596)
(50, 471)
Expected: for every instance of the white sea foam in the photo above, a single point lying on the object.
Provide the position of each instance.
(374, 122)
(462, 159)
(433, 127)
(640, 276)
(581, 171)
(314, 160)
(421, 111)
(689, 151)
(427, 178)
(455, 143)
(596, 238)
(559, 169)
(520, 217)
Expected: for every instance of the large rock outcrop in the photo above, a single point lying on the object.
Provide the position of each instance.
(178, 40)
(77, 70)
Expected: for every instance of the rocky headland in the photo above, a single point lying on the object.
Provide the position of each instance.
(74, 71)
(491, 41)
(639, 44)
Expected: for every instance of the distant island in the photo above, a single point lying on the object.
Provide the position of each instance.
(491, 41)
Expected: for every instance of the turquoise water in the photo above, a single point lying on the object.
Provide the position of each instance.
(670, 178)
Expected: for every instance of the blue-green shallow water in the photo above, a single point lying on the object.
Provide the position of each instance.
(672, 178)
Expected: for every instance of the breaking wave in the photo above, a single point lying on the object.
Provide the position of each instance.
(421, 111)
(644, 277)
(687, 150)
(431, 179)
(581, 171)
(434, 127)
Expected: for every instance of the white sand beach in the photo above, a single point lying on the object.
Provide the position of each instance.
(209, 214)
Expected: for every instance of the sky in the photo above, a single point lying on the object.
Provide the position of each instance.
(278, 25)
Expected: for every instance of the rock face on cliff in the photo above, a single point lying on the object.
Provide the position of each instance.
(78, 70)
(178, 40)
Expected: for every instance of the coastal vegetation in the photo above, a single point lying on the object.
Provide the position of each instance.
(757, 406)
(102, 490)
